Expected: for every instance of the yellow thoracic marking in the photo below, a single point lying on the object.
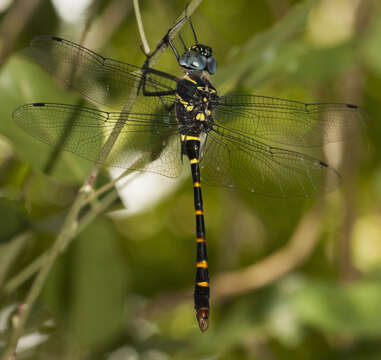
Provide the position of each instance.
(202, 264)
(186, 77)
(203, 284)
(199, 212)
(187, 137)
(193, 161)
(200, 240)
(182, 100)
(201, 88)
(205, 99)
(196, 184)
(200, 116)
(189, 108)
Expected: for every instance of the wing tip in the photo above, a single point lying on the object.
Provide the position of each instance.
(56, 38)
(16, 112)
(44, 37)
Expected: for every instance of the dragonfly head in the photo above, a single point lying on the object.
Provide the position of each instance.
(199, 57)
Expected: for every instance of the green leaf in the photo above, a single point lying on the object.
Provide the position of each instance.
(263, 49)
(22, 82)
(340, 309)
(94, 301)
(12, 219)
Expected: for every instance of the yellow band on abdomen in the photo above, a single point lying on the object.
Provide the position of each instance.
(202, 264)
(186, 138)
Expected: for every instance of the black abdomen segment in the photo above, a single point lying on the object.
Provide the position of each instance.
(201, 291)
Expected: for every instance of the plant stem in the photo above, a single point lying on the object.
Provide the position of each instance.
(10, 252)
(62, 239)
(138, 15)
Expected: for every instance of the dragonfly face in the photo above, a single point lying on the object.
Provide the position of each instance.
(199, 57)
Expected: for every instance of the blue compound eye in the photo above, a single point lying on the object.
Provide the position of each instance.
(193, 60)
(212, 65)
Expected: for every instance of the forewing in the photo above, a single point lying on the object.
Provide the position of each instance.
(101, 80)
(280, 121)
(236, 161)
(148, 142)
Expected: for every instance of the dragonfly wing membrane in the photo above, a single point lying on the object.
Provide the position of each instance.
(246, 164)
(101, 80)
(145, 142)
(292, 123)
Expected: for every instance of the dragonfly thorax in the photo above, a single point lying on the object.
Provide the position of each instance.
(196, 100)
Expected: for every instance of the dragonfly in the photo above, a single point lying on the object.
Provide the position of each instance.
(259, 144)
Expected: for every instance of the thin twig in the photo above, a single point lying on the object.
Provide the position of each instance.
(192, 6)
(25, 274)
(136, 165)
(10, 252)
(112, 138)
(69, 229)
(30, 270)
(66, 233)
(138, 15)
(107, 186)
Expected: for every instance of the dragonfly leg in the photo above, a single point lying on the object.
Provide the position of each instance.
(167, 39)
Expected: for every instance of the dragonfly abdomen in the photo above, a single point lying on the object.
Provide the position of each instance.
(191, 148)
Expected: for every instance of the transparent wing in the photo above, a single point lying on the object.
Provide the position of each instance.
(148, 142)
(280, 121)
(101, 80)
(238, 161)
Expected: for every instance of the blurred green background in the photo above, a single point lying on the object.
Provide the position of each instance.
(291, 279)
